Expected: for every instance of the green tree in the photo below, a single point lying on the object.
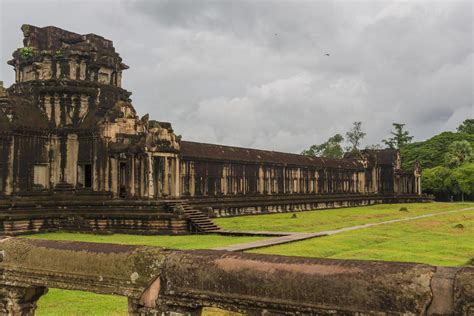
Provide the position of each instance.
(354, 136)
(431, 153)
(466, 127)
(400, 137)
(330, 149)
(459, 152)
(461, 180)
(434, 180)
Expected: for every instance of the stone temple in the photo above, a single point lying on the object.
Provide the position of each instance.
(75, 155)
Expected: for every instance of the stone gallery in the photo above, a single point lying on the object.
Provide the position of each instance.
(69, 133)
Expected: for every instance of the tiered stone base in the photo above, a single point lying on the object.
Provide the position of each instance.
(83, 213)
(225, 206)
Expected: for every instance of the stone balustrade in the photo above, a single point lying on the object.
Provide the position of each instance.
(160, 281)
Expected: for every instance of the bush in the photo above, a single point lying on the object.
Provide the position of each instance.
(26, 52)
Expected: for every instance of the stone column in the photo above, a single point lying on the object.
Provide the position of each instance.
(142, 177)
(114, 175)
(132, 175)
(20, 301)
(261, 177)
(10, 174)
(192, 184)
(151, 186)
(166, 177)
(71, 155)
(176, 177)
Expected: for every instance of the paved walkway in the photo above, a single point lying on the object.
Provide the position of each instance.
(292, 237)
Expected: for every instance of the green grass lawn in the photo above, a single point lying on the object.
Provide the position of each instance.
(433, 240)
(314, 221)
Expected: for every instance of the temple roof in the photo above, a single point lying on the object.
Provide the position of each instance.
(220, 152)
(17, 112)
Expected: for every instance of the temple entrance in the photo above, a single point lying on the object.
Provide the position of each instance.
(123, 179)
(88, 176)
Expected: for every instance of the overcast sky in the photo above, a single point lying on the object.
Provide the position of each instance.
(255, 73)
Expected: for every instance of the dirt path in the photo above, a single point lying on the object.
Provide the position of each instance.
(284, 238)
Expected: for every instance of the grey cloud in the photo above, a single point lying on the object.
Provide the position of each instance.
(254, 73)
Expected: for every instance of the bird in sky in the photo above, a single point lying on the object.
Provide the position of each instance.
(327, 54)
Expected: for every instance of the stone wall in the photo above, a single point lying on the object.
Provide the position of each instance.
(160, 281)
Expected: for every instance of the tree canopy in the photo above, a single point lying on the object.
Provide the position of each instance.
(399, 137)
(467, 126)
(354, 136)
(331, 148)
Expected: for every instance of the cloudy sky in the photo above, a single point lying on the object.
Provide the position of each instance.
(255, 73)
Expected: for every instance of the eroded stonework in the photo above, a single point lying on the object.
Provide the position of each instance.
(68, 126)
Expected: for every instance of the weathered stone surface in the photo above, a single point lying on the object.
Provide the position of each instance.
(101, 268)
(464, 292)
(162, 282)
(68, 127)
(20, 301)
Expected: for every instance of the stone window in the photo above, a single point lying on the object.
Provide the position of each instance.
(84, 175)
(104, 78)
(40, 176)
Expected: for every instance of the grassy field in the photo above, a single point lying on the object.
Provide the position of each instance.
(314, 221)
(434, 240)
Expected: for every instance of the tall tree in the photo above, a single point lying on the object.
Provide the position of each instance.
(434, 180)
(354, 136)
(400, 137)
(330, 149)
(461, 180)
(459, 152)
(466, 127)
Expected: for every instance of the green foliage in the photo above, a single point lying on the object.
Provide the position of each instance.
(466, 127)
(460, 152)
(431, 153)
(400, 137)
(58, 53)
(461, 180)
(355, 135)
(330, 149)
(26, 52)
(434, 179)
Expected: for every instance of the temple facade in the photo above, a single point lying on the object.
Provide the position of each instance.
(68, 126)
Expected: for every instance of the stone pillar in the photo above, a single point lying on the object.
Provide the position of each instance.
(9, 178)
(20, 301)
(166, 177)
(192, 184)
(151, 186)
(114, 176)
(71, 155)
(132, 175)
(176, 177)
(261, 177)
(142, 177)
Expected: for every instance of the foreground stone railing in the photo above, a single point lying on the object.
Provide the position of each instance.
(159, 281)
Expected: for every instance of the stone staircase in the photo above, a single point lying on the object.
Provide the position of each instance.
(199, 222)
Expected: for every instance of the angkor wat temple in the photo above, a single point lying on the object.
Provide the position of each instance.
(74, 154)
